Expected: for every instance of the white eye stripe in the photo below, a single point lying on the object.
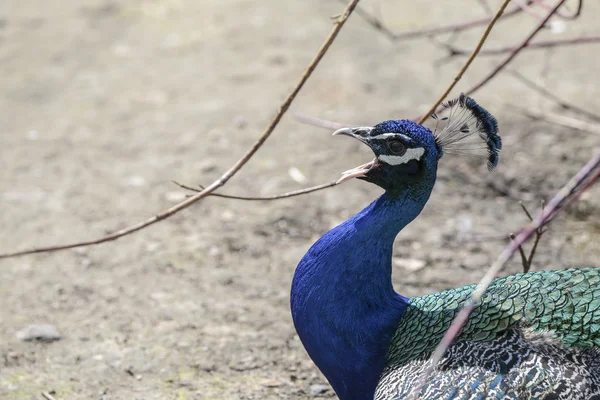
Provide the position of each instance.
(389, 135)
(411, 154)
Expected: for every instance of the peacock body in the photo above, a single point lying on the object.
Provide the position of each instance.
(532, 336)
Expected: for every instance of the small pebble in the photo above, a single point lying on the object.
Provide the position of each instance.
(175, 197)
(297, 175)
(411, 264)
(39, 332)
(135, 181)
(316, 390)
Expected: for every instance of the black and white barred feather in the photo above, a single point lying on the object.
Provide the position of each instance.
(469, 129)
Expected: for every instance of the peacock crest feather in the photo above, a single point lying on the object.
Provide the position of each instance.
(468, 129)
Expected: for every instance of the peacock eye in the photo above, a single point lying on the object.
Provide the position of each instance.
(397, 147)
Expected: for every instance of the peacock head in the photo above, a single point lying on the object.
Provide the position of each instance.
(406, 152)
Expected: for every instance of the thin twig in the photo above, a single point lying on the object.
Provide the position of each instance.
(486, 7)
(373, 21)
(568, 122)
(526, 7)
(263, 198)
(526, 211)
(524, 260)
(538, 235)
(437, 30)
(575, 196)
(516, 50)
(551, 96)
(539, 232)
(322, 123)
(542, 44)
(592, 168)
(575, 15)
(468, 63)
(229, 173)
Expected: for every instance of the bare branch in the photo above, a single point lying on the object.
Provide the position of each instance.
(437, 30)
(539, 232)
(373, 21)
(516, 50)
(229, 173)
(551, 96)
(468, 63)
(538, 235)
(562, 120)
(542, 44)
(524, 260)
(263, 198)
(526, 211)
(589, 173)
(575, 14)
(504, 63)
(323, 123)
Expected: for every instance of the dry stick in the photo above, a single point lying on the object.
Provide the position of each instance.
(542, 44)
(468, 63)
(227, 175)
(551, 96)
(527, 261)
(504, 63)
(435, 30)
(524, 260)
(257, 198)
(526, 7)
(562, 120)
(516, 50)
(459, 321)
(376, 23)
(323, 123)
(576, 14)
(576, 195)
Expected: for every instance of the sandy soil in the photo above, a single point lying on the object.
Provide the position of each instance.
(103, 103)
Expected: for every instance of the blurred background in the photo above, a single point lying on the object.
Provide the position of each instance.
(103, 103)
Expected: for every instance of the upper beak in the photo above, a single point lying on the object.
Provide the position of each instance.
(360, 133)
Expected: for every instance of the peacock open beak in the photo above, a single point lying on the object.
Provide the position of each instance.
(360, 133)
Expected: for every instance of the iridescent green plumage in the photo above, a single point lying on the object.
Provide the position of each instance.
(565, 302)
(541, 324)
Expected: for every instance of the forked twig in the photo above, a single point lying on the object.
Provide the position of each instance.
(562, 120)
(561, 15)
(551, 96)
(262, 198)
(542, 44)
(500, 66)
(468, 63)
(438, 30)
(323, 123)
(539, 232)
(516, 50)
(229, 173)
(569, 192)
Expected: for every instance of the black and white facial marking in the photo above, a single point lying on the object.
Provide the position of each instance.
(391, 148)
(394, 148)
(403, 150)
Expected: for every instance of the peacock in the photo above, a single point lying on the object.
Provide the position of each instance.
(532, 336)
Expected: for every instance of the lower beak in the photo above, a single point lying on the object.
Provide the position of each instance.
(357, 172)
(361, 170)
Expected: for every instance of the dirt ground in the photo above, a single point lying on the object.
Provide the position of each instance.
(103, 103)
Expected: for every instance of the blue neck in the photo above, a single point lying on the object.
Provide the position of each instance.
(344, 306)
